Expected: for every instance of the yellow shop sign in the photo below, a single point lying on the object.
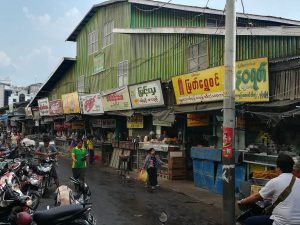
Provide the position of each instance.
(252, 83)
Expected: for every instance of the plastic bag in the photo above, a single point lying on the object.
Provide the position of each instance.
(142, 176)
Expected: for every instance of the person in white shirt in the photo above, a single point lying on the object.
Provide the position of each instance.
(286, 212)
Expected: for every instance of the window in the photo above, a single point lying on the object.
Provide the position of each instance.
(123, 73)
(92, 42)
(54, 96)
(14, 100)
(21, 98)
(211, 22)
(198, 57)
(108, 34)
(98, 63)
(80, 84)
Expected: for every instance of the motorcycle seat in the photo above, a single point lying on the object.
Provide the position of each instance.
(55, 214)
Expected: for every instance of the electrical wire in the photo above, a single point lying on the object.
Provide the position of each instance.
(154, 9)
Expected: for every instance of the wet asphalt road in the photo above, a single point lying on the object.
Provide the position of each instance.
(119, 202)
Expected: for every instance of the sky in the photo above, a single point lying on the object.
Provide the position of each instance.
(33, 32)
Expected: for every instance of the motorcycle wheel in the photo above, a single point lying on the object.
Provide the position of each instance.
(35, 197)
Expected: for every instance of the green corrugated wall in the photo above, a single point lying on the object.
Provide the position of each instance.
(159, 55)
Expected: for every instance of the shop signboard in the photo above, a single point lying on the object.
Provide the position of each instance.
(43, 104)
(147, 94)
(158, 122)
(116, 100)
(109, 123)
(92, 104)
(252, 80)
(77, 125)
(97, 123)
(55, 107)
(201, 86)
(252, 83)
(70, 103)
(197, 120)
(135, 121)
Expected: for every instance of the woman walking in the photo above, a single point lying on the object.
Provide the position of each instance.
(152, 164)
(79, 158)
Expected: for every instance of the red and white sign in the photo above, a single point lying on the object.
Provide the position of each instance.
(43, 104)
(227, 150)
(55, 107)
(92, 104)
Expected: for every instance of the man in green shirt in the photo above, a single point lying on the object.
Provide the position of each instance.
(79, 162)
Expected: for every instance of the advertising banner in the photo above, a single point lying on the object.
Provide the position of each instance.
(116, 100)
(197, 120)
(43, 104)
(77, 125)
(162, 123)
(227, 142)
(135, 121)
(92, 104)
(55, 107)
(71, 103)
(147, 94)
(252, 83)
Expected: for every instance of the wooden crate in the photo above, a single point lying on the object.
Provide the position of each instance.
(177, 163)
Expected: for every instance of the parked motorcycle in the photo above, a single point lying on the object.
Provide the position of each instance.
(12, 201)
(44, 169)
(83, 193)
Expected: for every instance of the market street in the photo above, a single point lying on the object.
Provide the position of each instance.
(118, 203)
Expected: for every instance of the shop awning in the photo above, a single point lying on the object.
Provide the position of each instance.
(127, 113)
(281, 103)
(202, 107)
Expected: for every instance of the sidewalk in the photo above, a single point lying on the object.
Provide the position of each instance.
(188, 188)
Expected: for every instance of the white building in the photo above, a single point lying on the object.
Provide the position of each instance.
(22, 94)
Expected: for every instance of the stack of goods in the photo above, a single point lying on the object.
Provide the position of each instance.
(269, 174)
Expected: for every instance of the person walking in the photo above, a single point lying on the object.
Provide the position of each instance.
(79, 161)
(152, 163)
(90, 145)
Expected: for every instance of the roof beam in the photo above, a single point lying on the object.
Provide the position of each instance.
(241, 31)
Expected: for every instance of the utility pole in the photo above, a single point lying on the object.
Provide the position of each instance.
(228, 156)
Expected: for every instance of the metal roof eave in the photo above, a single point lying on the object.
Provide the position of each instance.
(64, 64)
(93, 10)
(88, 16)
(241, 31)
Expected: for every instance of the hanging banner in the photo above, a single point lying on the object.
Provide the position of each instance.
(77, 125)
(135, 121)
(92, 104)
(97, 123)
(117, 100)
(70, 103)
(227, 142)
(197, 120)
(109, 123)
(28, 112)
(252, 80)
(55, 107)
(158, 122)
(43, 106)
(147, 94)
(252, 83)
